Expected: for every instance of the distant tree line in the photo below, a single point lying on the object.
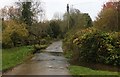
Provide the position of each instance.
(23, 19)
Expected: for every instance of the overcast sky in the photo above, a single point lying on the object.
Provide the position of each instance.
(92, 7)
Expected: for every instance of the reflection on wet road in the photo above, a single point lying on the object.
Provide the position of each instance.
(50, 62)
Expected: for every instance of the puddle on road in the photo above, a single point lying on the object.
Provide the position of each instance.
(56, 53)
(49, 57)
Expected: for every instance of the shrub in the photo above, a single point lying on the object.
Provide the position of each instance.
(91, 45)
(70, 42)
(38, 47)
(13, 34)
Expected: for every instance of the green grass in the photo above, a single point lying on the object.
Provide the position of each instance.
(14, 56)
(79, 70)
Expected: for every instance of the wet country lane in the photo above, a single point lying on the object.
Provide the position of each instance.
(49, 62)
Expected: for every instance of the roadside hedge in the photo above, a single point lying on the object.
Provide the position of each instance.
(91, 45)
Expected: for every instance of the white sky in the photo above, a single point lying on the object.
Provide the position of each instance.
(92, 7)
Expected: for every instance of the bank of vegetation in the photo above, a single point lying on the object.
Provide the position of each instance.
(96, 46)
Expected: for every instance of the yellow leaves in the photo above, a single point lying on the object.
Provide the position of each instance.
(6, 38)
(75, 40)
(80, 35)
(19, 28)
(11, 27)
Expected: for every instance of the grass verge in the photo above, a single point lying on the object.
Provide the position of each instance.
(79, 70)
(14, 56)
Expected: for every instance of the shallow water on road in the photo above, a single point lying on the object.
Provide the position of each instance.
(50, 62)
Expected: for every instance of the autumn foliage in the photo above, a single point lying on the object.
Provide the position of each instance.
(98, 44)
(109, 17)
(94, 46)
(13, 33)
